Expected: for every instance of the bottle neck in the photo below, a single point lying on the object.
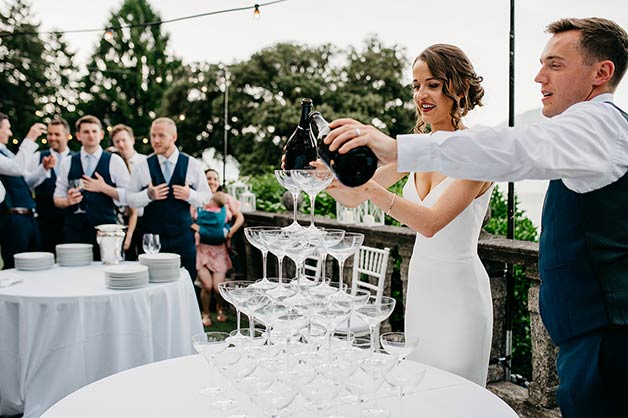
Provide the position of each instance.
(305, 110)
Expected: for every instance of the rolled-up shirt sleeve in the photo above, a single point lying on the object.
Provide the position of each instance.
(120, 177)
(199, 189)
(137, 192)
(586, 146)
(62, 185)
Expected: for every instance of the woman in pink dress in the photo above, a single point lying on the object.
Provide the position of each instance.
(212, 261)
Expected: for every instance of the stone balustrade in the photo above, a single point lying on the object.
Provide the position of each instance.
(539, 400)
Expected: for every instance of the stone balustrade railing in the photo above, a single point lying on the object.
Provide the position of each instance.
(539, 400)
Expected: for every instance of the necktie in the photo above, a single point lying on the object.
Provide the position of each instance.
(167, 170)
(89, 169)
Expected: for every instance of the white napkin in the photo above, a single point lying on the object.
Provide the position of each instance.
(9, 279)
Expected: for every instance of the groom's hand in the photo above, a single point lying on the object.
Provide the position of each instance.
(347, 134)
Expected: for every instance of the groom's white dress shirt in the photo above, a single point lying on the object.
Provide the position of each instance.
(586, 146)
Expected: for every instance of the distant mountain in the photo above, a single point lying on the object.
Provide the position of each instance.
(522, 119)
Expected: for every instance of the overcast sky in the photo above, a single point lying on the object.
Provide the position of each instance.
(479, 27)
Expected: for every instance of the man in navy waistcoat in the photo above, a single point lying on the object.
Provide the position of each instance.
(89, 186)
(18, 229)
(583, 150)
(49, 217)
(166, 185)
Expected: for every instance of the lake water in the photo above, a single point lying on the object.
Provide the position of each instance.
(531, 194)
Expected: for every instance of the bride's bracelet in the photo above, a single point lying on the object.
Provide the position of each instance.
(392, 203)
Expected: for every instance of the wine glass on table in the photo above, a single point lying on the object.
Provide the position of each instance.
(398, 344)
(373, 312)
(254, 235)
(345, 248)
(151, 243)
(226, 291)
(328, 238)
(312, 182)
(210, 344)
(285, 179)
(78, 185)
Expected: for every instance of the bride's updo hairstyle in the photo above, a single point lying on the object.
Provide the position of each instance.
(452, 66)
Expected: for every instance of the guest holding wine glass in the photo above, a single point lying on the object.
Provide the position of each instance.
(104, 179)
(448, 304)
(50, 218)
(166, 185)
(18, 229)
(212, 260)
(583, 149)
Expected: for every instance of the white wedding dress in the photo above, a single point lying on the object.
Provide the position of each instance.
(448, 305)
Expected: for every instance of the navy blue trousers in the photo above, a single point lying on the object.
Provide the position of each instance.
(18, 234)
(593, 372)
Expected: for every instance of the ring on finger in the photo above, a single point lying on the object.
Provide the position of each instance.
(357, 131)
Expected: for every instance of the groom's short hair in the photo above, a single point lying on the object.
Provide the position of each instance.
(600, 39)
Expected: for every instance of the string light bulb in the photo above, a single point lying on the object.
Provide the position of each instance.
(256, 13)
(109, 35)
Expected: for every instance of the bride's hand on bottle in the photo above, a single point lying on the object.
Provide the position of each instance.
(347, 134)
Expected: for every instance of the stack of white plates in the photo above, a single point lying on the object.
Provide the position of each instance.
(162, 267)
(126, 276)
(34, 261)
(73, 255)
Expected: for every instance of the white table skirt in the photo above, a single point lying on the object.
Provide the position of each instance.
(61, 329)
(171, 389)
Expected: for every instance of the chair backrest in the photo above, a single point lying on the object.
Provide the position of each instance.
(312, 268)
(373, 263)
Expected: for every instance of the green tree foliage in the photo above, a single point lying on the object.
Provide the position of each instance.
(525, 231)
(265, 93)
(130, 70)
(37, 76)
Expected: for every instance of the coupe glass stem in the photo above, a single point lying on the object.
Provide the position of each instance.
(238, 321)
(280, 264)
(312, 202)
(295, 204)
(372, 330)
(341, 280)
(323, 260)
(264, 258)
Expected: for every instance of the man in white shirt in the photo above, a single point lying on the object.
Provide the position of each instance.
(89, 185)
(50, 218)
(123, 140)
(18, 229)
(166, 185)
(583, 149)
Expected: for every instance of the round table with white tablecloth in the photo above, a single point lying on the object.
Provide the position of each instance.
(62, 328)
(171, 389)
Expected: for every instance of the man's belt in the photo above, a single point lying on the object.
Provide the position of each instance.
(18, 211)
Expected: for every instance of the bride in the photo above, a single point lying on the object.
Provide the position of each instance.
(448, 304)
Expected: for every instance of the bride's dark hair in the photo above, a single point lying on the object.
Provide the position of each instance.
(452, 66)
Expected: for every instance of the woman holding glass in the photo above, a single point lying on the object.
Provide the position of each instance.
(448, 304)
(212, 261)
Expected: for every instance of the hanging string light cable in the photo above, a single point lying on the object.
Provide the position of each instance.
(110, 29)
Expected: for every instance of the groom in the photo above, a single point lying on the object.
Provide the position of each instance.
(583, 149)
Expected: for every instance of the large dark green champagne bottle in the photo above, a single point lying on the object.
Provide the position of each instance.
(301, 148)
(354, 168)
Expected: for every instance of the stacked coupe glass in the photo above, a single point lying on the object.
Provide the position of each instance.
(291, 349)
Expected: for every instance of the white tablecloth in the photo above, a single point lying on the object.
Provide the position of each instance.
(171, 389)
(61, 329)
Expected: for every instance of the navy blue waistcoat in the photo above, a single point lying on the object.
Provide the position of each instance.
(99, 208)
(583, 259)
(169, 217)
(44, 193)
(18, 195)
